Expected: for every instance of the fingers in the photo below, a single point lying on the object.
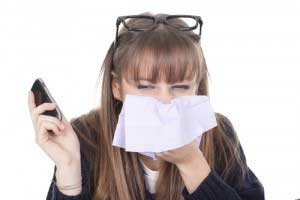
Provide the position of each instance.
(42, 136)
(46, 124)
(51, 119)
(41, 109)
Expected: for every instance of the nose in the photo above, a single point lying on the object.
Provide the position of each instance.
(165, 96)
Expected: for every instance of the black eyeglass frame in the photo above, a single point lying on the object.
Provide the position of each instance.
(155, 20)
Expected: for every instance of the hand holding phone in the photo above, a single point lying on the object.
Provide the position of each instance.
(60, 144)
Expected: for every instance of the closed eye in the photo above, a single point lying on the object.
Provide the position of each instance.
(185, 87)
(144, 87)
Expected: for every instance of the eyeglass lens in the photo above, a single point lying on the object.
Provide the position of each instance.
(173, 21)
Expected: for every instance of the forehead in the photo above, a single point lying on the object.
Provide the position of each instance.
(158, 75)
(168, 63)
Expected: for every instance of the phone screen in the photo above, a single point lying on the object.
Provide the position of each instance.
(42, 95)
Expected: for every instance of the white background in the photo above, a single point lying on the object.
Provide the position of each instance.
(252, 52)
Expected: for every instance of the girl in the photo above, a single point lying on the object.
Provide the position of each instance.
(165, 62)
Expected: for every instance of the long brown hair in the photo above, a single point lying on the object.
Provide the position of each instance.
(165, 53)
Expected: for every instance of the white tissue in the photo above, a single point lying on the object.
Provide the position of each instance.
(147, 126)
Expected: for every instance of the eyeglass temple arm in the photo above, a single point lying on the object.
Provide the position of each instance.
(200, 24)
(119, 20)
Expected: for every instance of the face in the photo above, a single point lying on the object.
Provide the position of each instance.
(161, 90)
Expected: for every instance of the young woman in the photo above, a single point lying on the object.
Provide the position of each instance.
(163, 61)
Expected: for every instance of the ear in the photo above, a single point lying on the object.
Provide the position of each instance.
(116, 89)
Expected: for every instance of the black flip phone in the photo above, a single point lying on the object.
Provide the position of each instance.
(43, 95)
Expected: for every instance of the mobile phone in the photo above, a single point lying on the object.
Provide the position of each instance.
(43, 95)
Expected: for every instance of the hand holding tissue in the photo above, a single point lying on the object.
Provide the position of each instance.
(147, 126)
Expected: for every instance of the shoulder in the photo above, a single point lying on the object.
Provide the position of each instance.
(241, 177)
(230, 159)
(87, 124)
(227, 127)
(228, 137)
